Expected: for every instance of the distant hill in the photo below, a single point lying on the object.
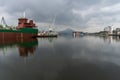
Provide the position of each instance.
(67, 31)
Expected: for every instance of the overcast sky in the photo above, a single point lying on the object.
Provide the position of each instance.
(86, 15)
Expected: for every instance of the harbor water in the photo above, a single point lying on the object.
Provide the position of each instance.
(62, 58)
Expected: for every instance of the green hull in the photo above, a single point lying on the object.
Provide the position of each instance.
(23, 30)
(20, 33)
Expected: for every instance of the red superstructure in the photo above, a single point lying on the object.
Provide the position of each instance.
(24, 23)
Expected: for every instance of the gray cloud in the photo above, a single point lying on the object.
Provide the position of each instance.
(77, 13)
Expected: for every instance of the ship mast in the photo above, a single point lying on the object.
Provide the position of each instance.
(54, 21)
(24, 14)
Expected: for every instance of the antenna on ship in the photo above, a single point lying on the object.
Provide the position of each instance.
(24, 14)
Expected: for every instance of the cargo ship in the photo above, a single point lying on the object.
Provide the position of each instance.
(25, 29)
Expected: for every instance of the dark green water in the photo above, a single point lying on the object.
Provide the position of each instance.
(83, 58)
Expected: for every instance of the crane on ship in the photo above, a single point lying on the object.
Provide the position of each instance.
(52, 26)
(108, 29)
(3, 23)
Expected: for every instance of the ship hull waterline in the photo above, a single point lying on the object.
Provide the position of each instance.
(14, 35)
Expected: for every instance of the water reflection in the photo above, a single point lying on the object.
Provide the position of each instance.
(25, 51)
(49, 39)
(25, 47)
(64, 58)
(110, 39)
(117, 38)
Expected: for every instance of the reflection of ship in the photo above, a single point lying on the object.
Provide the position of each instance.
(25, 46)
(25, 51)
(111, 39)
(50, 39)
